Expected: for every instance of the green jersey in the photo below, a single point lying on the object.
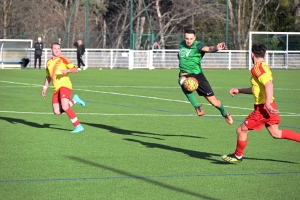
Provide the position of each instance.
(190, 58)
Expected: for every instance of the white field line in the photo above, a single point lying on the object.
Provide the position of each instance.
(17, 83)
(172, 100)
(110, 114)
(148, 97)
(118, 86)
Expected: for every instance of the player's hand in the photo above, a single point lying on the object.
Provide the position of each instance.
(44, 93)
(271, 109)
(233, 91)
(65, 71)
(222, 46)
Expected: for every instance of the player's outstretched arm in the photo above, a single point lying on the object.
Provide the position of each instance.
(212, 49)
(234, 91)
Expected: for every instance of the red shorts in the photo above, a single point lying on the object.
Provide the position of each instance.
(62, 92)
(261, 117)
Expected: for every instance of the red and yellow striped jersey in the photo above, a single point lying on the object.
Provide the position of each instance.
(261, 74)
(53, 70)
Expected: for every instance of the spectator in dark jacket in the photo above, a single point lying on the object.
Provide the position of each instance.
(38, 50)
(80, 52)
(155, 45)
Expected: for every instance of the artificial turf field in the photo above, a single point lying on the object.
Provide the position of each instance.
(142, 139)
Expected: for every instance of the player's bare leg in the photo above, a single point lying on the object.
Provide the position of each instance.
(217, 103)
(275, 132)
(72, 115)
(57, 109)
(242, 140)
(190, 96)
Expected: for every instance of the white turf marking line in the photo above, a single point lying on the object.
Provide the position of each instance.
(150, 115)
(20, 83)
(172, 100)
(120, 86)
(149, 97)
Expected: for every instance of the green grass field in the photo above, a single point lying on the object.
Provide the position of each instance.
(142, 139)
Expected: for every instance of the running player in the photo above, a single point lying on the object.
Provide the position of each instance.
(265, 113)
(57, 70)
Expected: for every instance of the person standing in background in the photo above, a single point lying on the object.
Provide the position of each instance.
(155, 46)
(38, 50)
(80, 51)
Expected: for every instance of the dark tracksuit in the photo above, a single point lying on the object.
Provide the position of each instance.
(80, 52)
(38, 50)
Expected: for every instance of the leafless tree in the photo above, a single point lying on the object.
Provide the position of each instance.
(179, 15)
(109, 21)
(245, 16)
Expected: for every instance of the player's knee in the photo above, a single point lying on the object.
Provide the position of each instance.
(56, 112)
(181, 80)
(65, 107)
(238, 131)
(241, 131)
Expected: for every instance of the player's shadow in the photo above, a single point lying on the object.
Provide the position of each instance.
(199, 154)
(120, 131)
(149, 180)
(29, 123)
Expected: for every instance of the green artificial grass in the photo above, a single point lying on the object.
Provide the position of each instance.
(142, 139)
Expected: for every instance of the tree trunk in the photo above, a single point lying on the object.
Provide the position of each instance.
(6, 9)
(245, 16)
(139, 25)
(124, 16)
(75, 23)
(161, 25)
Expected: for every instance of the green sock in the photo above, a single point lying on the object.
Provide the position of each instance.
(191, 97)
(222, 110)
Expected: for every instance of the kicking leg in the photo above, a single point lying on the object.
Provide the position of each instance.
(191, 97)
(218, 104)
(72, 115)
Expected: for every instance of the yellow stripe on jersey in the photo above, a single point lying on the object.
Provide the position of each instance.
(261, 74)
(53, 70)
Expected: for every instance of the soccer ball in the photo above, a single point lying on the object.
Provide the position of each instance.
(190, 84)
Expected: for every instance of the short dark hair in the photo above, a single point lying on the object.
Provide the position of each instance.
(259, 50)
(55, 43)
(189, 31)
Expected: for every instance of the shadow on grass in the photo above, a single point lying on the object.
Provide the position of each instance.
(120, 131)
(141, 178)
(199, 154)
(32, 124)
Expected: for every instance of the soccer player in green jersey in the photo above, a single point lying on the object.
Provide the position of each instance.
(190, 58)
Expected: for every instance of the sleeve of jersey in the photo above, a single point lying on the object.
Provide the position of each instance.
(266, 77)
(47, 71)
(67, 63)
(261, 74)
(200, 46)
(181, 44)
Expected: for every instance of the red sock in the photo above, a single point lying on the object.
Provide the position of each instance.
(240, 147)
(290, 135)
(71, 102)
(72, 116)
